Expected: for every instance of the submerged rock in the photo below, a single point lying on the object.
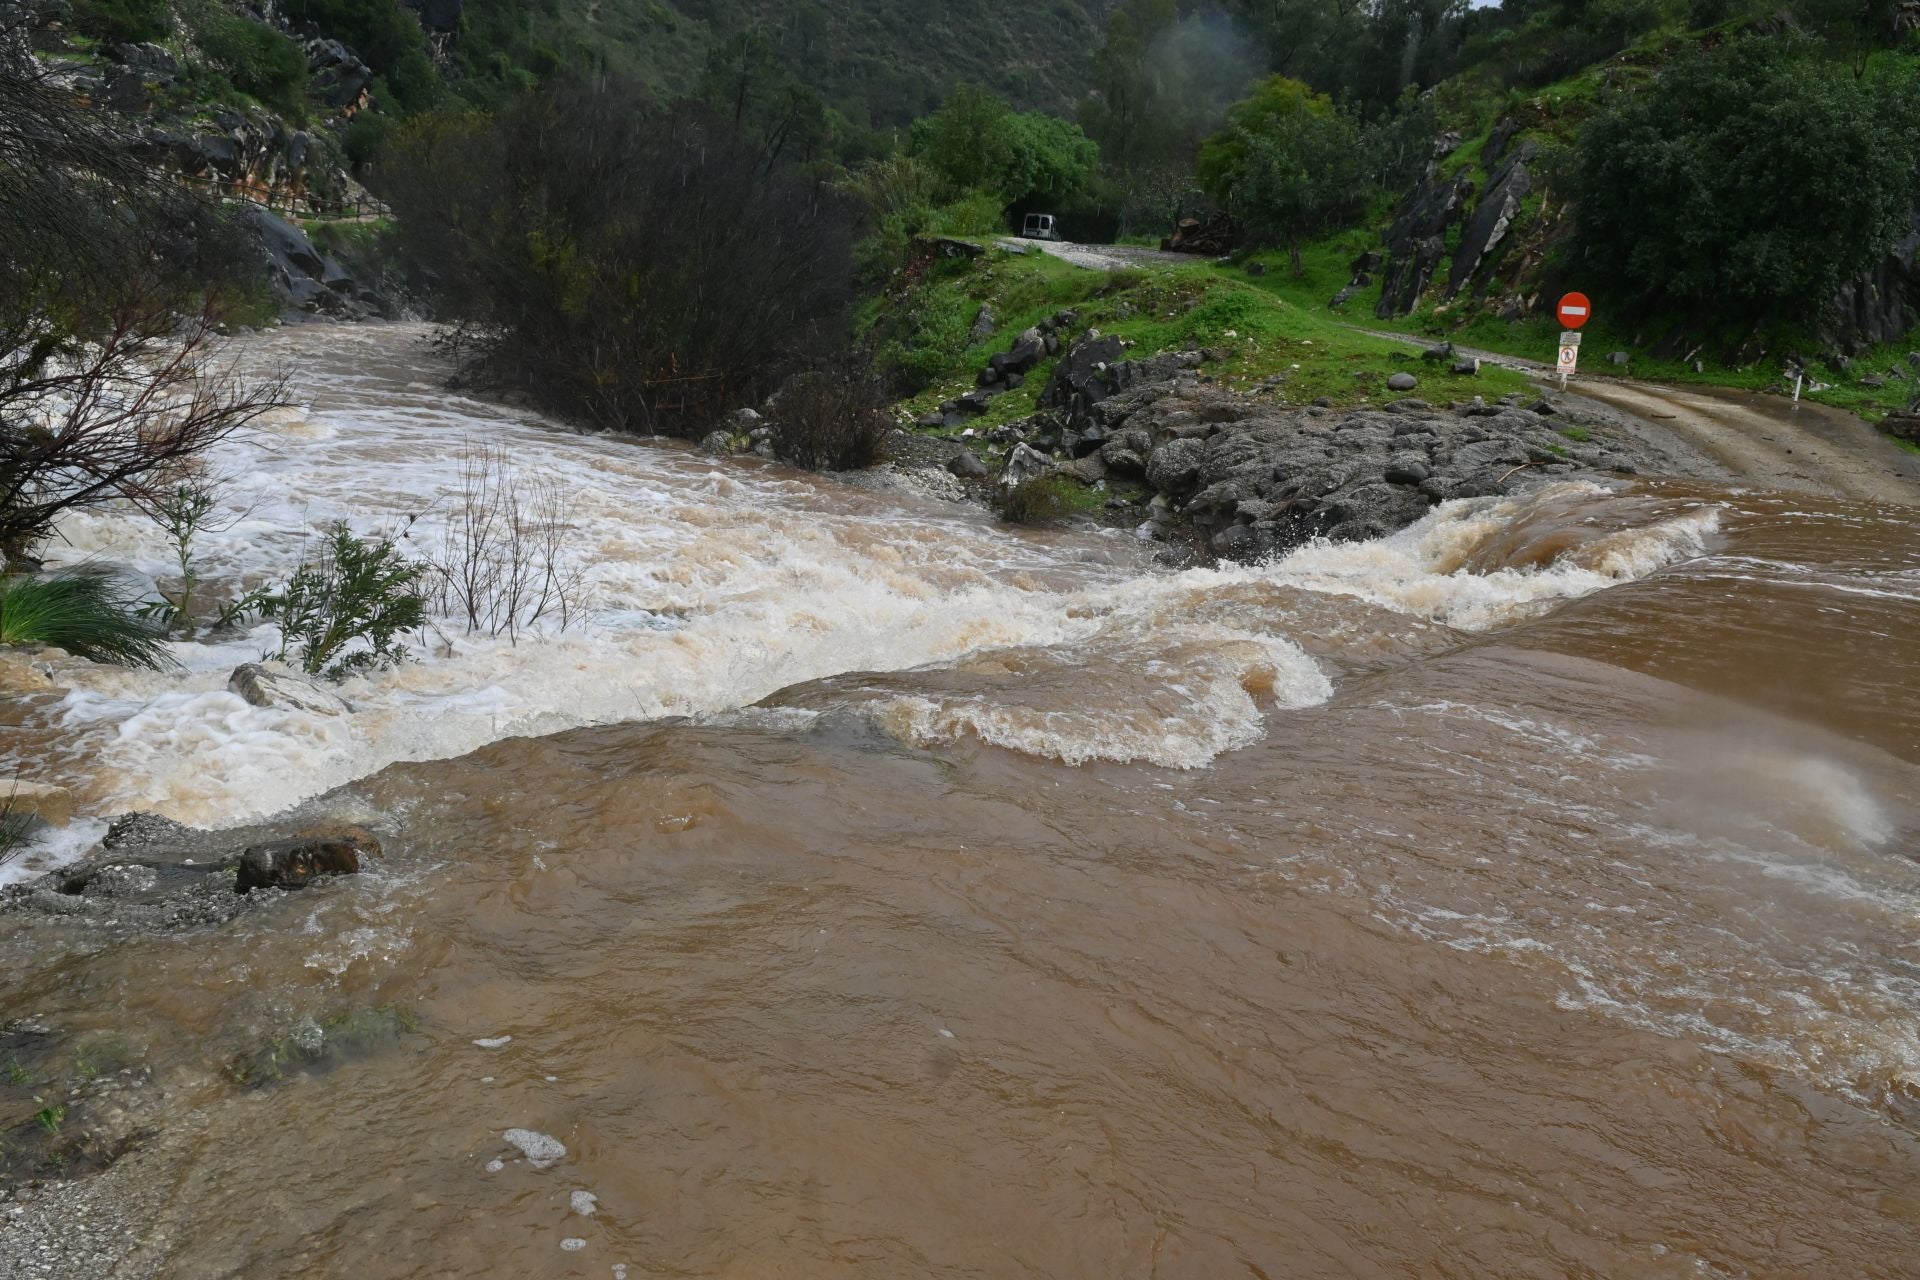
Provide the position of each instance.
(262, 686)
(154, 875)
(296, 863)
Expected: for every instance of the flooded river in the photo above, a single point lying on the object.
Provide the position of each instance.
(870, 889)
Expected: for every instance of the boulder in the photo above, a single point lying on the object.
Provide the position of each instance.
(1619, 358)
(1406, 471)
(50, 804)
(1028, 350)
(1434, 355)
(984, 325)
(262, 686)
(716, 443)
(1175, 466)
(1467, 368)
(1023, 464)
(298, 862)
(1402, 382)
(967, 465)
(338, 77)
(1902, 426)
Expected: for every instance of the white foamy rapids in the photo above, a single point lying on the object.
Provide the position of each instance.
(1174, 696)
(1415, 570)
(50, 849)
(713, 584)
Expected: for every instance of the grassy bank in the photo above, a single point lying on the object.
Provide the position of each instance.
(1263, 342)
(1329, 265)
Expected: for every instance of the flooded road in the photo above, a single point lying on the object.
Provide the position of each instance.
(1530, 893)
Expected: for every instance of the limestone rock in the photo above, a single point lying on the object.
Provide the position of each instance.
(264, 687)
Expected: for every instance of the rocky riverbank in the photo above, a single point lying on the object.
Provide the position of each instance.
(1159, 445)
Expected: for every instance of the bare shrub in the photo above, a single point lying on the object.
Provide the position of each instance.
(120, 418)
(832, 419)
(112, 281)
(503, 562)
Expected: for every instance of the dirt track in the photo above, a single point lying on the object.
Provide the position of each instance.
(1761, 440)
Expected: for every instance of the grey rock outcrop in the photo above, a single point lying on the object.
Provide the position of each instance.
(1507, 188)
(1252, 479)
(262, 686)
(307, 280)
(1417, 242)
(1880, 306)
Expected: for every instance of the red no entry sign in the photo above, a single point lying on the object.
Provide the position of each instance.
(1575, 310)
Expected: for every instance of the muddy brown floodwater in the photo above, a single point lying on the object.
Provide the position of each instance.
(1531, 894)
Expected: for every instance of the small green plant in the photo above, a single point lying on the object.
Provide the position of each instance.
(353, 592)
(1046, 499)
(83, 611)
(259, 60)
(17, 1073)
(1580, 434)
(50, 1116)
(192, 508)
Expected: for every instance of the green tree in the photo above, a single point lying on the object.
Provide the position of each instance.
(977, 143)
(969, 141)
(259, 60)
(1287, 163)
(1747, 183)
(749, 84)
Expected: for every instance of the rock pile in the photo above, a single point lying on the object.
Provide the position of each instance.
(1006, 370)
(152, 874)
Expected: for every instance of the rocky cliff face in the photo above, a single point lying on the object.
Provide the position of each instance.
(1417, 243)
(1883, 305)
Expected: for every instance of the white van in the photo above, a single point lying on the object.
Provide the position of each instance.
(1039, 226)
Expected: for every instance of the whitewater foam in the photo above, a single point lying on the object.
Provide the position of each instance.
(715, 586)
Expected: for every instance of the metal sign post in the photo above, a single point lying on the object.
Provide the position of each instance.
(1574, 311)
(1569, 356)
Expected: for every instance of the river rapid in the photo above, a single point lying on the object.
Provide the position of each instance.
(871, 889)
